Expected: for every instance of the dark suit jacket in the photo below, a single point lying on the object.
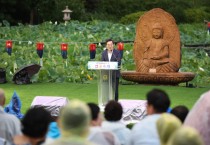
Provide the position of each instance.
(115, 57)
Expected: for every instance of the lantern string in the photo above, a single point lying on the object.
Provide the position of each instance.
(45, 42)
(55, 42)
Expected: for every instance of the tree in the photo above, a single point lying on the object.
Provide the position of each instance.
(7, 10)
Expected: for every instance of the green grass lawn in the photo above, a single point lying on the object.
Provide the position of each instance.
(87, 92)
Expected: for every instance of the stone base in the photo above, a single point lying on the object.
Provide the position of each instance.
(158, 78)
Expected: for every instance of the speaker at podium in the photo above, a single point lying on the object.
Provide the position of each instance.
(106, 80)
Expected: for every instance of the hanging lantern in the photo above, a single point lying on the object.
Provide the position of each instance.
(9, 46)
(64, 48)
(120, 47)
(92, 49)
(208, 27)
(39, 49)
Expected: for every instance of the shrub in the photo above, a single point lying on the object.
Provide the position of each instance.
(195, 15)
(178, 14)
(131, 18)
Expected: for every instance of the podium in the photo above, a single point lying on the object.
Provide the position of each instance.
(106, 80)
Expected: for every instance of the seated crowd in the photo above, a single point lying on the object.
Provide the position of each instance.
(84, 124)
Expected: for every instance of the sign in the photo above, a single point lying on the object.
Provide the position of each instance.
(102, 65)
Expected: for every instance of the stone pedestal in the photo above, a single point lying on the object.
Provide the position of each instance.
(158, 78)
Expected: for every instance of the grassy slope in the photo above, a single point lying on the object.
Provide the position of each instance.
(88, 92)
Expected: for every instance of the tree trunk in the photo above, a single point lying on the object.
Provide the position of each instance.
(32, 17)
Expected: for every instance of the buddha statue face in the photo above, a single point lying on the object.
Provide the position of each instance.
(157, 33)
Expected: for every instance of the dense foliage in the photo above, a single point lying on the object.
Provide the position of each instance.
(131, 18)
(38, 11)
(197, 14)
(79, 35)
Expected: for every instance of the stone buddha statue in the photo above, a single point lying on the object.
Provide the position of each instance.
(157, 51)
(154, 51)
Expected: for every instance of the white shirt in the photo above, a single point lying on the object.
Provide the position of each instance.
(145, 132)
(118, 129)
(109, 55)
(100, 137)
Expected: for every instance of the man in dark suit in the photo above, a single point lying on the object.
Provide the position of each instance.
(111, 54)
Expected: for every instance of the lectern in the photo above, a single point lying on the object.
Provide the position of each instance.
(106, 80)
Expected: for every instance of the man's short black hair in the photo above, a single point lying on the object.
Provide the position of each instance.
(113, 111)
(159, 100)
(94, 109)
(109, 40)
(180, 112)
(35, 122)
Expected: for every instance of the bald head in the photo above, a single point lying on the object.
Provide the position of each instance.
(2, 97)
(75, 118)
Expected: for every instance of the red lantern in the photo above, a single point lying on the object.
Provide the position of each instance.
(64, 47)
(9, 44)
(92, 47)
(120, 46)
(39, 46)
(208, 24)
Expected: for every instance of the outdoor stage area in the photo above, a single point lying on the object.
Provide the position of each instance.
(132, 97)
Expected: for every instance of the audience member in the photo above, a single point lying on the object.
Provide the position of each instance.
(185, 136)
(74, 124)
(180, 112)
(145, 132)
(9, 124)
(167, 124)
(14, 107)
(34, 127)
(53, 131)
(199, 117)
(97, 135)
(113, 114)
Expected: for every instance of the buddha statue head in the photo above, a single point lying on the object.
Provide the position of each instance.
(157, 31)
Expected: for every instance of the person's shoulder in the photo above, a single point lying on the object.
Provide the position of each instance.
(11, 118)
(137, 125)
(152, 118)
(104, 51)
(70, 141)
(116, 50)
(146, 121)
(127, 131)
